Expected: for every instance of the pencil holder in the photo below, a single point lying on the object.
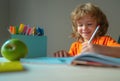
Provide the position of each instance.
(37, 45)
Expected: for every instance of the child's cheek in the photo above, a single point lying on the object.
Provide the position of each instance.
(78, 29)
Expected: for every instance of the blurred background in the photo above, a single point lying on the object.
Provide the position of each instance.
(54, 17)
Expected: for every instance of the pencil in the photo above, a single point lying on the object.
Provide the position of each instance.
(93, 34)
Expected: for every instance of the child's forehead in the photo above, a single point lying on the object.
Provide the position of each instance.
(87, 18)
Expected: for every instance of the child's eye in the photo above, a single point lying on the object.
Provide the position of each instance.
(89, 24)
(80, 25)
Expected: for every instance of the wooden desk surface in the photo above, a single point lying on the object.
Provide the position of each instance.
(62, 72)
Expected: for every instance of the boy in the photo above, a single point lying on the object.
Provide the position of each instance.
(85, 19)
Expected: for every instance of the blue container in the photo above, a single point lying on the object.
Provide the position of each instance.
(37, 45)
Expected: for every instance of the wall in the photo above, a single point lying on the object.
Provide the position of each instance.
(54, 17)
(3, 21)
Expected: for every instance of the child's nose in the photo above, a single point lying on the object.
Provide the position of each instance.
(85, 27)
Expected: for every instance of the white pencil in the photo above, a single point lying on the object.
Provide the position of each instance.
(93, 34)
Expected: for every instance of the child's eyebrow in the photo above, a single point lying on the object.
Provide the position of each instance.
(91, 20)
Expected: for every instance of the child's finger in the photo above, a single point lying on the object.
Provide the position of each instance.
(65, 54)
(60, 54)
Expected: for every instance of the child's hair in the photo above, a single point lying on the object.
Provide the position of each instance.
(95, 12)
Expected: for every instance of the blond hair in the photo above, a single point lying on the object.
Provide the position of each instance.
(94, 11)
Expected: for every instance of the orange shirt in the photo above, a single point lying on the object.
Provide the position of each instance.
(76, 47)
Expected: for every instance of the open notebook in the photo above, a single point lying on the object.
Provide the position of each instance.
(91, 59)
(95, 60)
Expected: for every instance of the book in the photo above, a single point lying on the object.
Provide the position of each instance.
(11, 66)
(94, 59)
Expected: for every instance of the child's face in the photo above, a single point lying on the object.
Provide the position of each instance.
(86, 26)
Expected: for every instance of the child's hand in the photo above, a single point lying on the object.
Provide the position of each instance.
(86, 47)
(61, 53)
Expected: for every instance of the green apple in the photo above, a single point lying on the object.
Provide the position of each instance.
(14, 49)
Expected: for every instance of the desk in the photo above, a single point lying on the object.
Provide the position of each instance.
(62, 72)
